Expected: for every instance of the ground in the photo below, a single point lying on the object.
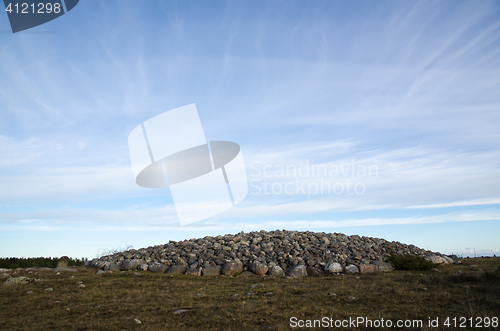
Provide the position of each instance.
(149, 301)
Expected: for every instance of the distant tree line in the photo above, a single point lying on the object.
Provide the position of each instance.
(45, 262)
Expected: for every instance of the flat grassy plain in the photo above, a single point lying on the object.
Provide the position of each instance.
(164, 302)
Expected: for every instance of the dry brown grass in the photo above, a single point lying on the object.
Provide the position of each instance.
(113, 301)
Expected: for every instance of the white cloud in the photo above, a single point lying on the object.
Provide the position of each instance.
(13, 152)
(488, 201)
(492, 214)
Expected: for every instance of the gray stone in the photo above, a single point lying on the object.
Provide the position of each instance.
(276, 271)
(143, 267)
(254, 286)
(63, 262)
(16, 281)
(368, 268)
(383, 266)
(193, 271)
(333, 268)
(439, 259)
(351, 269)
(181, 311)
(176, 269)
(158, 267)
(297, 271)
(131, 264)
(100, 272)
(112, 267)
(258, 268)
(455, 259)
(448, 260)
(232, 268)
(211, 270)
(315, 272)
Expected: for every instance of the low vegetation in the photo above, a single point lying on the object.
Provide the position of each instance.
(153, 301)
(40, 262)
(410, 262)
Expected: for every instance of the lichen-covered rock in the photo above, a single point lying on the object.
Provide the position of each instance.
(16, 281)
(258, 268)
(112, 267)
(351, 269)
(211, 270)
(176, 269)
(297, 271)
(438, 259)
(233, 268)
(193, 271)
(63, 262)
(333, 268)
(143, 267)
(456, 259)
(315, 272)
(276, 271)
(131, 264)
(158, 267)
(368, 268)
(383, 266)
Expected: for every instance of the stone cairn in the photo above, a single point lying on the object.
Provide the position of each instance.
(275, 253)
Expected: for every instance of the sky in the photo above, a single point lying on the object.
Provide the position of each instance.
(370, 118)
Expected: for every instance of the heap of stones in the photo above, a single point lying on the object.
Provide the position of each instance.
(275, 253)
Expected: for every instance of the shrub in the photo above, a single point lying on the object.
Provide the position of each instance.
(410, 262)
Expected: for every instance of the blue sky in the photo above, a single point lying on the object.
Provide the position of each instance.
(408, 90)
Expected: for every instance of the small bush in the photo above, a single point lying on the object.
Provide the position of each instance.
(410, 262)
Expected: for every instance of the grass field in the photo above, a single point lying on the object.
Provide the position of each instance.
(119, 301)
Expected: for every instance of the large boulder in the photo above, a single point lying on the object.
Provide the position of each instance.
(193, 271)
(211, 270)
(383, 266)
(438, 259)
(16, 281)
(351, 269)
(333, 268)
(233, 268)
(131, 264)
(176, 269)
(258, 268)
(297, 271)
(112, 267)
(157, 267)
(368, 268)
(456, 259)
(143, 267)
(63, 262)
(315, 272)
(276, 271)
(99, 264)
